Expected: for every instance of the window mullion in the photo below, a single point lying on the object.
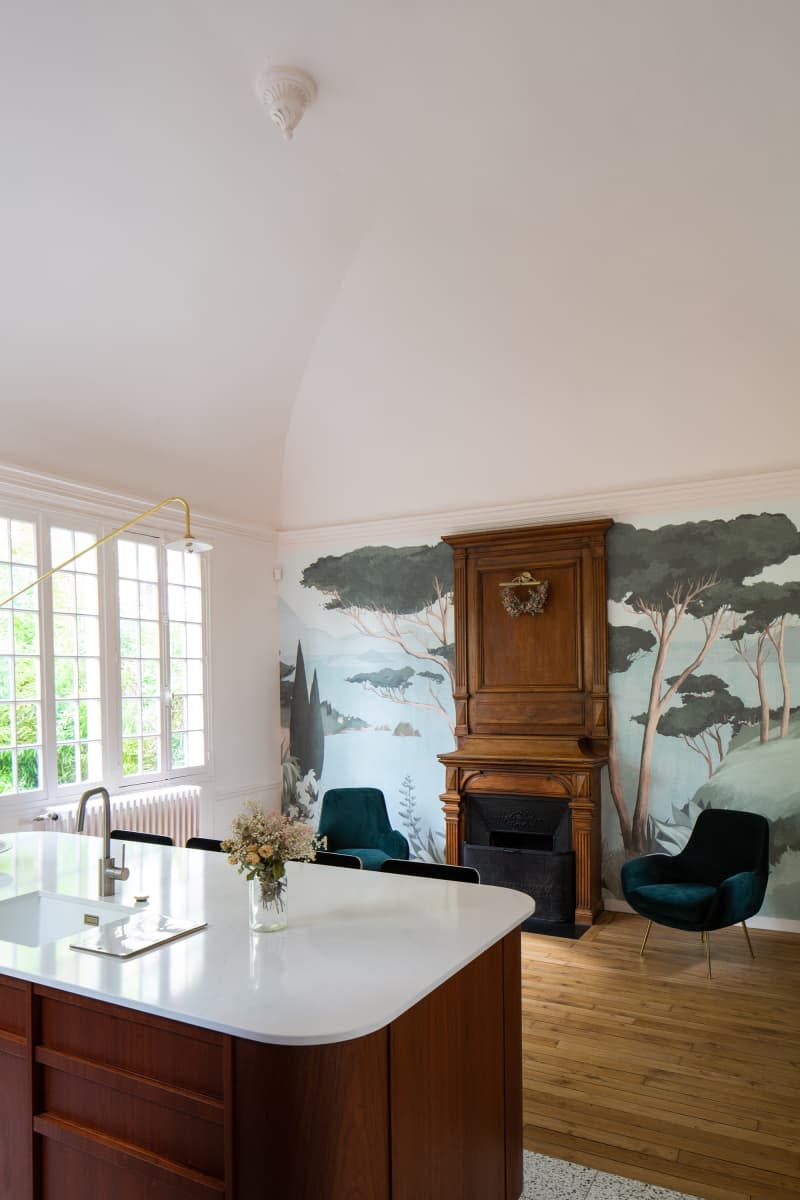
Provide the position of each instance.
(166, 666)
(112, 725)
(47, 672)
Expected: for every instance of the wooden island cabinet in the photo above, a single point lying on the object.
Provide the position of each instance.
(104, 1099)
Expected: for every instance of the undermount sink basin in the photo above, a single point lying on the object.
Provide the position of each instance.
(37, 918)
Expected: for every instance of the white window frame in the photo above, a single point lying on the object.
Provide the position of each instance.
(22, 806)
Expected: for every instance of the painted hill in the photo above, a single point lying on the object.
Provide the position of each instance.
(763, 778)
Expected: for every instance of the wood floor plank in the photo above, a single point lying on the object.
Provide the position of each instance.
(646, 1068)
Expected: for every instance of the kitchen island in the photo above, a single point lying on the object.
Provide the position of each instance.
(370, 1051)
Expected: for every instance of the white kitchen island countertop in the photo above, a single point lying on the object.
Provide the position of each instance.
(360, 949)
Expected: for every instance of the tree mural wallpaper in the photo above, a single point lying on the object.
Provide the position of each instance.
(684, 597)
(704, 675)
(375, 624)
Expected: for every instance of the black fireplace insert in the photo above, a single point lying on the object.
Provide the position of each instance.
(524, 842)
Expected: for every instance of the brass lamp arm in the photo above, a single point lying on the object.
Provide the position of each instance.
(102, 541)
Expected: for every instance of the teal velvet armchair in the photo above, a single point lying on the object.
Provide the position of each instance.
(355, 821)
(718, 879)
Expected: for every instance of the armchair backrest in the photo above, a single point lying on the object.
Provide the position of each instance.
(725, 842)
(352, 817)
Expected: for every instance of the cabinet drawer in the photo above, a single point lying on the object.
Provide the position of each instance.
(180, 1056)
(136, 1116)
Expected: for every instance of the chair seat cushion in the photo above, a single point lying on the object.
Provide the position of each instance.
(684, 905)
(372, 859)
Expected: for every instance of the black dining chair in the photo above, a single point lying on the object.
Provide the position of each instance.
(202, 843)
(329, 858)
(133, 835)
(407, 866)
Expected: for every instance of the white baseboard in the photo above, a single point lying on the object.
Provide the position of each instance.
(779, 924)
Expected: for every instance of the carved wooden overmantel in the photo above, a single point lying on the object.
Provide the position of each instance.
(531, 690)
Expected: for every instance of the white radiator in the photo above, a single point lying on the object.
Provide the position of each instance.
(172, 811)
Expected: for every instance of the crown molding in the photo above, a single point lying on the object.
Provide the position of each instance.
(617, 503)
(41, 491)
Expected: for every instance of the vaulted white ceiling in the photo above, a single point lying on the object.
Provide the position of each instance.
(506, 215)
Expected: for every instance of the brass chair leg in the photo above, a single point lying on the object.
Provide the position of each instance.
(708, 952)
(646, 936)
(749, 943)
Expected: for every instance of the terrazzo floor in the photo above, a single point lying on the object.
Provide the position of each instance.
(554, 1179)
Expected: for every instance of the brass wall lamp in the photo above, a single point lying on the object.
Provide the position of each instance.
(188, 544)
(517, 605)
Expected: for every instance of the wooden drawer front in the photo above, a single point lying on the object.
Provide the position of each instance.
(112, 1108)
(14, 1001)
(72, 1173)
(526, 711)
(179, 1055)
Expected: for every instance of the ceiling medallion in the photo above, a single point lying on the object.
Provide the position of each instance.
(286, 93)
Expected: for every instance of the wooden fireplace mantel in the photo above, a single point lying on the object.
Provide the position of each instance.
(533, 767)
(531, 690)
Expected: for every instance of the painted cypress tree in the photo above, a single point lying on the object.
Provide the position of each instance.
(299, 717)
(316, 732)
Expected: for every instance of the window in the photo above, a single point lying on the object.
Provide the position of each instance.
(140, 658)
(185, 610)
(76, 660)
(20, 662)
(102, 667)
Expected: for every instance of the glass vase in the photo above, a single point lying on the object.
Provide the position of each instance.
(268, 904)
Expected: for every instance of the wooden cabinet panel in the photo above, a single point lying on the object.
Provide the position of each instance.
(530, 652)
(318, 1116)
(14, 1004)
(16, 1166)
(177, 1054)
(448, 1089)
(512, 1033)
(527, 712)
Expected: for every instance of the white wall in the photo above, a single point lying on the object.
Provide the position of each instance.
(244, 678)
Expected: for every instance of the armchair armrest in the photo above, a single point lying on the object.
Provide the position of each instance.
(394, 844)
(652, 868)
(740, 896)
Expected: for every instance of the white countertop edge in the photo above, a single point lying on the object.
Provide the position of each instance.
(332, 1037)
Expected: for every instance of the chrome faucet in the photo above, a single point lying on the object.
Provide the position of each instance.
(108, 871)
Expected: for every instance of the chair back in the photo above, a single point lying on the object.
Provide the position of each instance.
(408, 866)
(724, 842)
(331, 859)
(353, 817)
(133, 835)
(201, 843)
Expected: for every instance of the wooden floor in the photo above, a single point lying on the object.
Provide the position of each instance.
(646, 1068)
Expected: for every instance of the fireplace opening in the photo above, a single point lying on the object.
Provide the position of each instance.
(521, 841)
(524, 842)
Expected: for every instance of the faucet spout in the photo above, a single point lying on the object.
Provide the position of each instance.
(108, 871)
